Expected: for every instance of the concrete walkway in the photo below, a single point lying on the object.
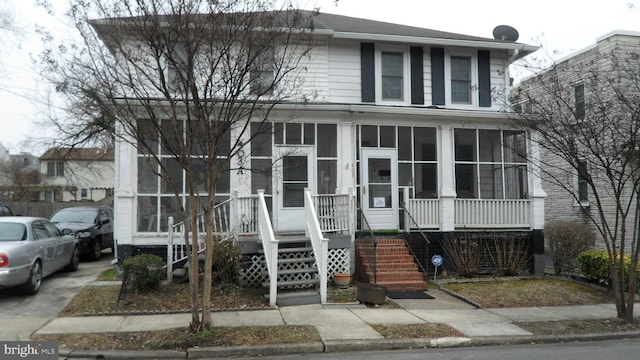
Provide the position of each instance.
(344, 327)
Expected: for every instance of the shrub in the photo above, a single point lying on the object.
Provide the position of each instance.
(594, 265)
(226, 262)
(509, 256)
(465, 254)
(566, 241)
(145, 272)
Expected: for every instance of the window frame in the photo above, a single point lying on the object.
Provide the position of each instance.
(500, 163)
(579, 181)
(473, 82)
(579, 105)
(406, 74)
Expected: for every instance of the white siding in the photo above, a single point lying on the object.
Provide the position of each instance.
(344, 71)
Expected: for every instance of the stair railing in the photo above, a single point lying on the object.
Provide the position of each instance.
(270, 246)
(178, 247)
(413, 221)
(319, 243)
(372, 255)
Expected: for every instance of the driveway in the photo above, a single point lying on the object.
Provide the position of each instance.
(21, 315)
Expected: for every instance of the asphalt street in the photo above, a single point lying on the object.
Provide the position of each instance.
(21, 315)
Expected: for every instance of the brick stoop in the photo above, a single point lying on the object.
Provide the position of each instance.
(396, 268)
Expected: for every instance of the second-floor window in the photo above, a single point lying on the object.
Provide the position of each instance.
(262, 72)
(461, 79)
(55, 169)
(578, 99)
(392, 73)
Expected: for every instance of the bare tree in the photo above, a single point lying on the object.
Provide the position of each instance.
(584, 115)
(183, 78)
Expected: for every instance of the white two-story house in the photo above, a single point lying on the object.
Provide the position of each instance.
(405, 125)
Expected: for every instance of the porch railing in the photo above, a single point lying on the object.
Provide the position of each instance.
(319, 243)
(178, 247)
(426, 213)
(334, 212)
(270, 246)
(494, 213)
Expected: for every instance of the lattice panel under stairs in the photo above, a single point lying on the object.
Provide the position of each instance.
(255, 271)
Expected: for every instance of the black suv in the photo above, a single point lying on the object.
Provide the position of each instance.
(5, 210)
(92, 225)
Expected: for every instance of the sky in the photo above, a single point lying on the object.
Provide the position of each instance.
(560, 27)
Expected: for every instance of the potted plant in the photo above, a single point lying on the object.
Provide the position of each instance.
(341, 280)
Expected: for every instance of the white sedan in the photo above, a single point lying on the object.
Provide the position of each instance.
(32, 248)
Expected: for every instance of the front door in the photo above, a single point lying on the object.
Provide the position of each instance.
(380, 188)
(294, 173)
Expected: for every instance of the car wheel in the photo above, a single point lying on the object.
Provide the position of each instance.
(96, 250)
(75, 260)
(35, 279)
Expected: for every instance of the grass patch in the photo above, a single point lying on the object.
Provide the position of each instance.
(170, 297)
(525, 293)
(109, 275)
(182, 338)
(418, 331)
(578, 326)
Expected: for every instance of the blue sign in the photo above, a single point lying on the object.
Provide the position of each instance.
(436, 260)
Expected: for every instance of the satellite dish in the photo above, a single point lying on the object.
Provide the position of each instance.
(505, 32)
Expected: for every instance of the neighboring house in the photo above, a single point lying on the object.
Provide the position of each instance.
(77, 174)
(403, 116)
(575, 79)
(19, 176)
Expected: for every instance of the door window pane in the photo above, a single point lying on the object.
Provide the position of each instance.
(379, 183)
(294, 180)
(294, 133)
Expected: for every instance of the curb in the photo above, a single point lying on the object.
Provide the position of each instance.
(332, 346)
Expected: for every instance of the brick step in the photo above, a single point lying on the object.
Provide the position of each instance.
(398, 266)
(389, 258)
(405, 285)
(392, 276)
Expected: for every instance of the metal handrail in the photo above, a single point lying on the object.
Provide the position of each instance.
(375, 248)
(424, 236)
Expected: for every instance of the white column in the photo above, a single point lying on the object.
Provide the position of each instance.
(537, 193)
(447, 179)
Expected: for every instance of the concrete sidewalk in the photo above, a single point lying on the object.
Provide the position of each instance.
(345, 327)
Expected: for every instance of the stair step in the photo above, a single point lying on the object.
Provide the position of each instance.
(294, 298)
(285, 250)
(292, 283)
(293, 260)
(404, 285)
(294, 271)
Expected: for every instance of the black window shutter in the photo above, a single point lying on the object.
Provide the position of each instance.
(417, 75)
(368, 72)
(437, 76)
(484, 78)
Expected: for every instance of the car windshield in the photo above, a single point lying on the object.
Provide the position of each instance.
(12, 231)
(75, 216)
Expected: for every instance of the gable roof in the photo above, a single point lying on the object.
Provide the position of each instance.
(86, 154)
(340, 26)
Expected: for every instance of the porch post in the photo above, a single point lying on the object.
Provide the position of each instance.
(447, 179)
(537, 207)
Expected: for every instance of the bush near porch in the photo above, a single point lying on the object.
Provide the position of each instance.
(472, 254)
(594, 265)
